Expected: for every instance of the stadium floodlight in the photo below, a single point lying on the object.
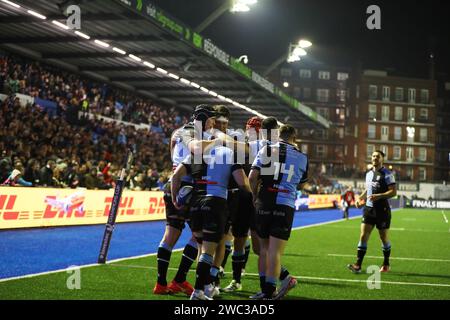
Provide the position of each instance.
(214, 94)
(83, 35)
(15, 5)
(36, 14)
(119, 50)
(304, 43)
(242, 5)
(61, 25)
(286, 84)
(221, 97)
(162, 70)
(174, 76)
(150, 65)
(132, 56)
(185, 81)
(195, 85)
(204, 89)
(297, 50)
(101, 43)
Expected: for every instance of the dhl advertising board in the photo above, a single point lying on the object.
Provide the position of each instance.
(44, 207)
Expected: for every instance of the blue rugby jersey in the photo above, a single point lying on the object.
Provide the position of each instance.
(211, 177)
(282, 168)
(378, 182)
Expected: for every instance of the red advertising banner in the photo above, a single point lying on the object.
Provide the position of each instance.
(44, 207)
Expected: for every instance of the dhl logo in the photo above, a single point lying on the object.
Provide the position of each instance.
(7, 204)
(125, 206)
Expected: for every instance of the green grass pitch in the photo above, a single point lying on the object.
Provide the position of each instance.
(317, 255)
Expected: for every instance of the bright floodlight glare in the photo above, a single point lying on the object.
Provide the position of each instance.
(293, 58)
(83, 35)
(119, 50)
(238, 7)
(61, 25)
(101, 43)
(247, 2)
(11, 3)
(36, 14)
(304, 43)
(286, 84)
(299, 52)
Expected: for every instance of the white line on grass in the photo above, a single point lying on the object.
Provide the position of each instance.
(134, 257)
(445, 217)
(392, 258)
(312, 278)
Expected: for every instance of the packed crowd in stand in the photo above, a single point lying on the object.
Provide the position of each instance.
(60, 149)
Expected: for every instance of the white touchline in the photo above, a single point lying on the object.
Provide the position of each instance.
(445, 217)
(311, 278)
(136, 257)
(392, 258)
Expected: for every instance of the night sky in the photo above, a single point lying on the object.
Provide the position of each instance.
(410, 30)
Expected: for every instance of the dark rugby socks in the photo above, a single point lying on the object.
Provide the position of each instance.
(238, 263)
(228, 245)
(362, 248)
(163, 259)
(386, 253)
(190, 253)
(247, 252)
(203, 268)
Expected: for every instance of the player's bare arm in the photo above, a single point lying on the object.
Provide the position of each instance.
(241, 180)
(363, 196)
(392, 192)
(254, 181)
(179, 173)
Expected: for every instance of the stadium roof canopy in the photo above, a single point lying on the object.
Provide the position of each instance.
(138, 47)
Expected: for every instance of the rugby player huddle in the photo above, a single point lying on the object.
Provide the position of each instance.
(226, 185)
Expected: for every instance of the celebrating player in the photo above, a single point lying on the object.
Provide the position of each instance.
(176, 218)
(380, 186)
(281, 168)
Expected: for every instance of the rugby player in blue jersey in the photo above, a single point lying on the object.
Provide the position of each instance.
(277, 172)
(380, 186)
(209, 209)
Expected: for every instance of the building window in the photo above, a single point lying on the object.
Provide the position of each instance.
(424, 96)
(304, 148)
(386, 93)
(355, 151)
(306, 93)
(410, 173)
(385, 113)
(305, 73)
(323, 95)
(409, 154)
(424, 114)
(372, 111)
(356, 111)
(422, 154)
(412, 95)
(324, 112)
(398, 133)
(398, 113)
(342, 76)
(372, 131)
(373, 94)
(399, 94)
(385, 133)
(397, 152)
(422, 174)
(324, 75)
(411, 132)
(411, 114)
(384, 149)
(341, 133)
(370, 150)
(341, 95)
(357, 92)
(321, 151)
(297, 91)
(286, 72)
(356, 131)
(423, 135)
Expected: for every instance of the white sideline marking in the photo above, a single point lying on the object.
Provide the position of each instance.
(445, 217)
(311, 278)
(136, 257)
(392, 258)
(80, 267)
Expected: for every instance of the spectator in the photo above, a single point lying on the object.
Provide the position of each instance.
(46, 174)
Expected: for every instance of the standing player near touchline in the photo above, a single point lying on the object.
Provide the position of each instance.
(281, 168)
(347, 198)
(175, 219)
(380, 186)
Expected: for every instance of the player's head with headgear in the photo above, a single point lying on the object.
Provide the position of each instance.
(222, 117)
(253, 127)
(270, 128)
(205, 114)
